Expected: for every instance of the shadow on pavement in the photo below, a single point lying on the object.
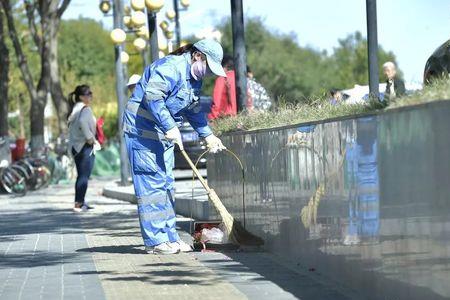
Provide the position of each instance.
(125, 249)
(37, 259)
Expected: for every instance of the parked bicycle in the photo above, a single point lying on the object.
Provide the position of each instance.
(61, 165)
(12, 180)
(38, 172)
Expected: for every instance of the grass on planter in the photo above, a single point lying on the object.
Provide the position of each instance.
(438, 90)
(320, 109)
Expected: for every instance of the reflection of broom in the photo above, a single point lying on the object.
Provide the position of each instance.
(309, 211)
(236, 232)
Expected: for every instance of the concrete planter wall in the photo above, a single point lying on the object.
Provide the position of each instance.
(364, 201)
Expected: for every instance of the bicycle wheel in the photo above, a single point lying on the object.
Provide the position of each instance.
(25, 163)
(41, 178)
(22, 171)
(13, 182)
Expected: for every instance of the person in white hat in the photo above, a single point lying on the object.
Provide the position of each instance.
(167, 94)
(134, 79)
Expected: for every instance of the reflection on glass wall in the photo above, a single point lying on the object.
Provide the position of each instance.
(364, 201)
(362, 180)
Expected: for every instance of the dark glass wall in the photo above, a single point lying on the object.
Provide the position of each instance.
(364, 201)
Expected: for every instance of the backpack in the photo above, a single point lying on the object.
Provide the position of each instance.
(99, 134)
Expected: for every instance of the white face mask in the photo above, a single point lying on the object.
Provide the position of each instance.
(199, 69)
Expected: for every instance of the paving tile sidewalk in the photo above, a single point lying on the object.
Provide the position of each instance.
(49, 252)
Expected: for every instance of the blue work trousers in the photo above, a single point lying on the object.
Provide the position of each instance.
(152, 163)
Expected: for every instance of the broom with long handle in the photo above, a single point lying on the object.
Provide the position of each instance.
(236, 232)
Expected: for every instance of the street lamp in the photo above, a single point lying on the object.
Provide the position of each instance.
(138, 4)
(138, 18)
(168, 34)
(185, 4)
(124, 57)
(139, 44)
(153, 6)
(164, 25)
(143, 32)
(105, 6)
(118, 36)
(170, 14)
(127, 22)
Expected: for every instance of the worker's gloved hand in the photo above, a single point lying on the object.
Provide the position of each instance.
(174, 135)
(214, 144)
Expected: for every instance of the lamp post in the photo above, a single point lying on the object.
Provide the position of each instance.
(135, 21)
(118, 36)
(153, 6)
(185, 4)
(372, 47)
(239, 53)
(177, 23)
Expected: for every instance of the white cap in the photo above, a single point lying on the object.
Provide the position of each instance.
(133, 79)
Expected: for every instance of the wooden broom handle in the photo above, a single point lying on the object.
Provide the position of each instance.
(196, 172)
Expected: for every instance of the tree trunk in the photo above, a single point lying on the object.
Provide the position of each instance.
(59, 100)
(56, 91)
(21, 58)
(21, 116)
(46, 9)
(4, 69)
(49, 15)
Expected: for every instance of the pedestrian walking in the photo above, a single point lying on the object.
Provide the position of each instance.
(167, 93)
(82, 141)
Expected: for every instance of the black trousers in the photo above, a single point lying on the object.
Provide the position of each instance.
(84, 161)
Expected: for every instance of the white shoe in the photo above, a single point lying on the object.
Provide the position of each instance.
(181, 246)
(80, 209)
(164, 248)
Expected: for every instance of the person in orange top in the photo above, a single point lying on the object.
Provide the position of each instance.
(224, 94)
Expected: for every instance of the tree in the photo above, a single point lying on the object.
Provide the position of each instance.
(85, 50)
(87, 56)
(59, 100)
(49, 13)
(279, 63)
(350, 64)
(4, 70)
(298, 73)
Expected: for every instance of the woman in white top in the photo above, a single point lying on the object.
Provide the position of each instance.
(82, 130)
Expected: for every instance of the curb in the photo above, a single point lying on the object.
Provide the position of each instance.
(119, 195)
(197, 208)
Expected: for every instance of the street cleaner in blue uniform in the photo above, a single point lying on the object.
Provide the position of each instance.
(167, 94)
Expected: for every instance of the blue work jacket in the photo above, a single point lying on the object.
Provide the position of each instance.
(163, 98)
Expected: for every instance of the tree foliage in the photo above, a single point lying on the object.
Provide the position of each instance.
(86, 56)
(43, 19)
(85, 49)
(350, 61)
(287, 70)
(296, 73)
(4, 70)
